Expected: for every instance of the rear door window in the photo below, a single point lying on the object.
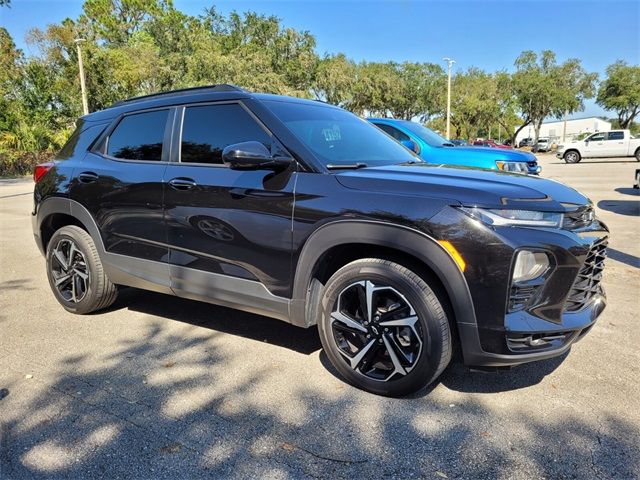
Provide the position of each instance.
(139, 136)
(616, 136)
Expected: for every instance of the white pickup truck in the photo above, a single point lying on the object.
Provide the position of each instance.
(616, 143)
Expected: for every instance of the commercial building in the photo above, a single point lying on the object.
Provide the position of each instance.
(557, 129)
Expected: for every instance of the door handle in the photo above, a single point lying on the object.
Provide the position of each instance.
(182, 183)
(88, 177)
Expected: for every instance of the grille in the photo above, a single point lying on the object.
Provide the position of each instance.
(587, 283)
(578, 218)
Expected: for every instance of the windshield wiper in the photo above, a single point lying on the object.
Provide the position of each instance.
(346, 166)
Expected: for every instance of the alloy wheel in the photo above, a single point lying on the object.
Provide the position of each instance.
(70, 271)
(376, 330)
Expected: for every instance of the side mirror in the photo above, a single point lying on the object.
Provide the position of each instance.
(252, 155)
(410, 144)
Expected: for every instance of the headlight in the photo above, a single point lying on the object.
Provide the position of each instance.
(516, 167)
(529, 265)
(510, 218)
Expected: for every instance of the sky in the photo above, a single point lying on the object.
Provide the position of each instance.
(488, 34)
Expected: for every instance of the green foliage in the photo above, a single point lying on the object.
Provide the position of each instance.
(137, 47)
(544, 88)
(620, 92)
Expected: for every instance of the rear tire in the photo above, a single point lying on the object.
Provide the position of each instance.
(572, 156)
(383, 328)
(75, 272)
(637, 155)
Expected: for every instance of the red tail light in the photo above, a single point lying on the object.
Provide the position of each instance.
(40, 170)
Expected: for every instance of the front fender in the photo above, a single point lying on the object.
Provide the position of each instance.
(404, 239)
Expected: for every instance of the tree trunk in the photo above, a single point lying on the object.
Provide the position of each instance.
(536, 129)
(518, 130)
(626, 122)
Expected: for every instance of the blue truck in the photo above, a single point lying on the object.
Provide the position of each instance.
(433, 148)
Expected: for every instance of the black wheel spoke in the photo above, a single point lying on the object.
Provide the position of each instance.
(347, 329)
(369, 359)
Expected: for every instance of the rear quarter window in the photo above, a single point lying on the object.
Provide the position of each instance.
(81, 139)
(139, 136)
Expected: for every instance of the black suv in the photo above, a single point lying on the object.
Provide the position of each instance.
(303, 212)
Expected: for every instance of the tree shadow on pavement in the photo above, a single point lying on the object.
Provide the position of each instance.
(170, 405)
(220, 319)
(628, 191)
(621, 207)
(622, 257)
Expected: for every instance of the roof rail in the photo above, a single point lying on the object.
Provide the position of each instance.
(222, 87)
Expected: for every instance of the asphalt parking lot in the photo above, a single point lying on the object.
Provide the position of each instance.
(159, 387)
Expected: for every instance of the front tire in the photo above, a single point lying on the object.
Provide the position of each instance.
(383, 328)
(75, 272)
(637, 155)
(572, 156)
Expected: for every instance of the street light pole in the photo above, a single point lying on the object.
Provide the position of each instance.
(83, 87)
(449, 62)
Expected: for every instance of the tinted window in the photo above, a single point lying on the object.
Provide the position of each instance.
(139, 136)
(338, 137)
(80, 140)
(207, 130)
(394, 132)
(597, 137)
(426, 134)
(616, 135)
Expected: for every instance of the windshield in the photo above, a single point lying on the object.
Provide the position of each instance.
(338, 137)
(429, 136)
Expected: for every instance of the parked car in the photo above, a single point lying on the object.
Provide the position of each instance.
(459, 143)
(433, 148)
(543, 145)
(526, 142)
(616, 143)
(303, 212)
(491, 144)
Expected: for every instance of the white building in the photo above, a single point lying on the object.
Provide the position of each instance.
(555, 130)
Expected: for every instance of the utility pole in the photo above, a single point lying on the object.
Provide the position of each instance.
(83, 88)
(449, 62)
(564, 127)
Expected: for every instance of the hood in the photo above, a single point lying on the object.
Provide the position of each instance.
(487, 152)
(466, 186)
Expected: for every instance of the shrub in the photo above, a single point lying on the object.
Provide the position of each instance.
(16, 163)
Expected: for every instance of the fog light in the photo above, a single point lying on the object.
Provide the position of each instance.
(529, 265)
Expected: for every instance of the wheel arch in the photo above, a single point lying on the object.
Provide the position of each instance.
(361, 238)
(57, 212)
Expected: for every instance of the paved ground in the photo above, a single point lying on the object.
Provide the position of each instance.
(163, 388)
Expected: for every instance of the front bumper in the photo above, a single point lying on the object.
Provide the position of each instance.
(574, 327)
(550, 321)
